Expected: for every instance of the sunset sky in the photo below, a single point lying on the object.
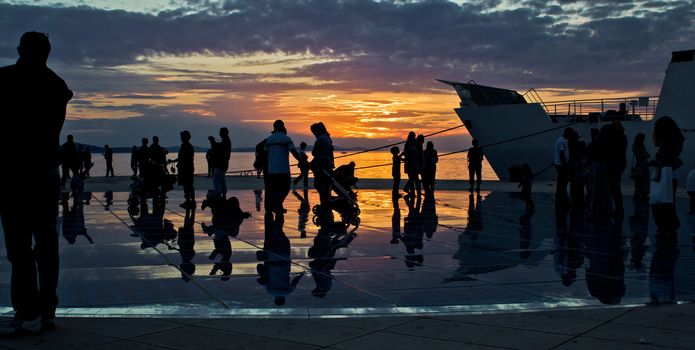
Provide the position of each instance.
(365, 68)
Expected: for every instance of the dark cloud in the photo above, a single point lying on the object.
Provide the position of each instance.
(385, 45)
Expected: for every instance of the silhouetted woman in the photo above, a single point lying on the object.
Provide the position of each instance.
(429, 172)
(410, 163)
(640, 172)
(669, 139)
(322, 162)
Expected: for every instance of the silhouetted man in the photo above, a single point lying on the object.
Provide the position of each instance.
(33, 101)
(475, 165)
(278, 178)
(68, 152)
(143, 154)
(108, 156)
(221, 154)
(158, 154)
(186, 170)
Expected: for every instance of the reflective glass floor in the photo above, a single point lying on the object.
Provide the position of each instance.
(454, 253)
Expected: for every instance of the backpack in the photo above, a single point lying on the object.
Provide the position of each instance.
(261, 161)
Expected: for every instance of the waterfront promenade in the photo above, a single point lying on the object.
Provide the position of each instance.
(465, 271)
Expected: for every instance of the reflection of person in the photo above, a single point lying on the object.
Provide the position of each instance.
(605, 272)
(331, 236)
(395, 221)
(275, 272)
(526, 185)
(73, 222)
(33, 100)
(662, 288)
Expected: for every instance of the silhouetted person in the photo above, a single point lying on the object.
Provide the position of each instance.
(618, 151)
(640, 168)
(420, 142)
(158, 154)
(577, 169)
(429, 170)
(80, 159)
(209, 156)
(33, 101)
(322, 163)
(69, 159)
(600, 204)
(397, 159)
(143, 155)
(277, 180)
(410, 164)
(395, 220)
(690, 189)
(475, 165)
(303, 167)
(562, 154)
(88, 164)
(108, 156)
(186, 170)
(669, 139)
(221, 154)
(134, 160)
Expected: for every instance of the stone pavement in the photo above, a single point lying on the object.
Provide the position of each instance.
(649, 327)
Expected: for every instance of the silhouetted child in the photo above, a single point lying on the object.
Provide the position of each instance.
(526, 185)
(303, 167)
(396, 169)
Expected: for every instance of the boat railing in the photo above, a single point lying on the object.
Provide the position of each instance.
(532, 96)
(619, 108)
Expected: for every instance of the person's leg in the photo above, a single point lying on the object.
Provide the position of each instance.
(283, 190)
(18, 241)
(46, 252)
(396, 184)
(478, 176)
(224, 182)
(305, 174)
(218, 181)
(471, 177)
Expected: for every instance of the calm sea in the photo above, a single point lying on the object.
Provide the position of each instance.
(452, 167)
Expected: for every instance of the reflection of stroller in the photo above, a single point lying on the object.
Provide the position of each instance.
(345, 202)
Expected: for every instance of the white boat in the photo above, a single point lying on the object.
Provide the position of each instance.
(521, 128)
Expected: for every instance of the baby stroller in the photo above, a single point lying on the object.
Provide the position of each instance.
(345, 201)
(153, 182)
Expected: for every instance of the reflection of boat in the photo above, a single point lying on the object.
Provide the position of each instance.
(492, 115)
